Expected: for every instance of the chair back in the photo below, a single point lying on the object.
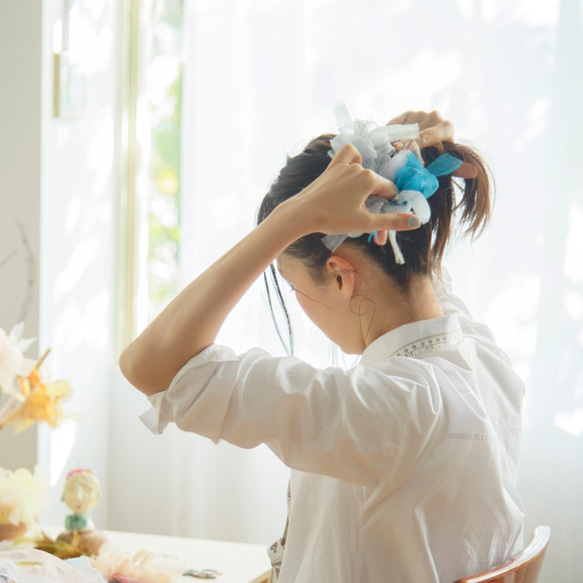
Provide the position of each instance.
(524, 568)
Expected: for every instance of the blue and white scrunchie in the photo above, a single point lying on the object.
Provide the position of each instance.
(415, 182)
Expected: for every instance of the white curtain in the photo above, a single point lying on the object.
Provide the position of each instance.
(261, 78)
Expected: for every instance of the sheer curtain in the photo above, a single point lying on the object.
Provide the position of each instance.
(262, 77)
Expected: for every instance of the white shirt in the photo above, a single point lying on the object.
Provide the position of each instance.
(403, 468)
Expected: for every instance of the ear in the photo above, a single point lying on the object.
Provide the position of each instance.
(342, 275)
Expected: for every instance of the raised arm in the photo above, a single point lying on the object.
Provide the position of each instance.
(332, 204)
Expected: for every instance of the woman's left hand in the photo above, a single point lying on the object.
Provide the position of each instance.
(334, 203)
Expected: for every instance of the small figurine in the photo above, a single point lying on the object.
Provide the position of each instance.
(81, 494)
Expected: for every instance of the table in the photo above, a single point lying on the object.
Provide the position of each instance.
(237, 562)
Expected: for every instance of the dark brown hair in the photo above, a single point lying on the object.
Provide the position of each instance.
(461, 203)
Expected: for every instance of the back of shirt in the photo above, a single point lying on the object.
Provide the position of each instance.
(404, 467)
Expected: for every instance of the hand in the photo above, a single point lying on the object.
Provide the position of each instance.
(433, 129)
(334, 203)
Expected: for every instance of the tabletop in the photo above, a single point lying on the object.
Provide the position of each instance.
(236, 562)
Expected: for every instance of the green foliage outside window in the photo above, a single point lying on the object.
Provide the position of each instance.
(165, 97)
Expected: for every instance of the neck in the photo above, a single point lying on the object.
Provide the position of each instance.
(419, 302)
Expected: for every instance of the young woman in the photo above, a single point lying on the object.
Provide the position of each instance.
(403, 467)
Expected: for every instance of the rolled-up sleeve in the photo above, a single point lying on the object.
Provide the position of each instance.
(358, 425)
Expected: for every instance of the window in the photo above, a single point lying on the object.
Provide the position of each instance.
(152, 144)
(164, 95)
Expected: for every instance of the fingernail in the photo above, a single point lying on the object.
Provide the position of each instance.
(380, 238)
(413, 222)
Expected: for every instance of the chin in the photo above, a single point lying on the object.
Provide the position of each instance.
(348, 345)
(350, 348)
(354, 351)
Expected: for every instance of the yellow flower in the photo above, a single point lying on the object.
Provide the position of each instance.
(41, 402)
(59, 390)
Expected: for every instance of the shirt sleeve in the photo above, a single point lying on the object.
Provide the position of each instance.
(360, 425)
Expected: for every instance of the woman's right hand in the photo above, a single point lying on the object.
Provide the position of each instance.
(433, 128)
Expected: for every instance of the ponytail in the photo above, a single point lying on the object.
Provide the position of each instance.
(458, 202)
(463, 203)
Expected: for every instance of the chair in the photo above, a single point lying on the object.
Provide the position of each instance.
(524, 568)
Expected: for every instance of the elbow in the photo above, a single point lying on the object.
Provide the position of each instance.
(137, 374)
(129, 368)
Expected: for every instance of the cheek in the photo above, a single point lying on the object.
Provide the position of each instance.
(323, 316)
(303, 301)
(342, 328)
(312, 309)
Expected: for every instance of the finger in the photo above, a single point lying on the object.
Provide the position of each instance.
(423, 118)
(395, 222)
(380, 186)
(348, 154)
(432, 127)
(429, 120)
(441, 132)
(381, 238)
(466, 170)
(406, 117)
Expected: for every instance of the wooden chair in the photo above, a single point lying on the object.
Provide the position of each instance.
(524, 568)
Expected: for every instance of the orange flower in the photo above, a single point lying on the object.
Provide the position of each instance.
(41, 402)
(34, 377)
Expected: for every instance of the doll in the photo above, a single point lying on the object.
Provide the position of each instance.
(81, 494)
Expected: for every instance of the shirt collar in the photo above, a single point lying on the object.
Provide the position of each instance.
(415, 340)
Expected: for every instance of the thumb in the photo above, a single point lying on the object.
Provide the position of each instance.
(394, 222)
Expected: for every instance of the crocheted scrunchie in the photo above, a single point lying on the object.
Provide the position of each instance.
(415, 182)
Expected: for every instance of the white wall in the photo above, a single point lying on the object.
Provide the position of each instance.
(60, 174)
(20, 183)
(78, 234)
(261, 76)
(518, 99)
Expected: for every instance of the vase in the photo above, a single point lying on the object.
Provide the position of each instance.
(9, 531)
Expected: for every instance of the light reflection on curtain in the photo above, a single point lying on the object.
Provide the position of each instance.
(262, 77)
